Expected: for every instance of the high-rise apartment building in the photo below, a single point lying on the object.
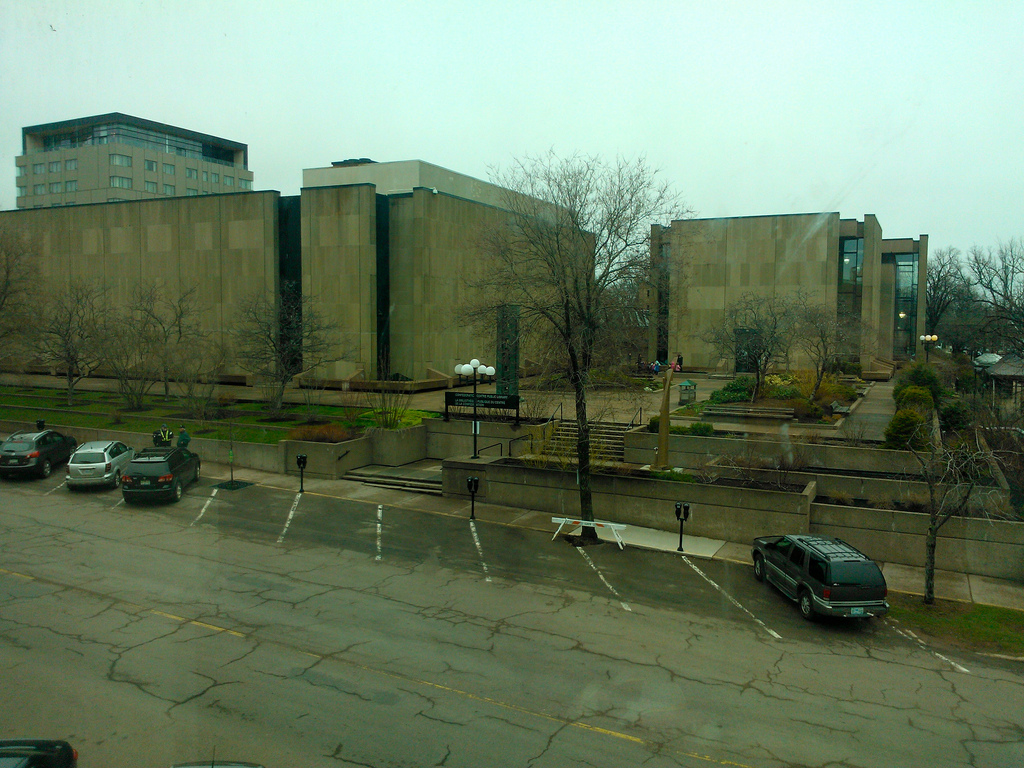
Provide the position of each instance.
(113, 157)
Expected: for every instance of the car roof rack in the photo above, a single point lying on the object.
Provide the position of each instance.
(834, 549)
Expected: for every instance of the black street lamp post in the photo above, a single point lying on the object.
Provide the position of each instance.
(473, 368)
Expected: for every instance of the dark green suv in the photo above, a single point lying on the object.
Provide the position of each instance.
(159, 473)
(824, 575)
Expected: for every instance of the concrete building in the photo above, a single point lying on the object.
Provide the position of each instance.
(844, 264)
(114, 157)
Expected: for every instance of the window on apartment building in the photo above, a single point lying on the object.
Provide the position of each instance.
(20, 171)
(38, 168)
(191, 192)
(22, 191)
(191, 173)
(168, 189)
(71, 165)
(125, 160)
(39, 189)
(55, 166)
(56, 187)
(206, 175)
(71, 185)
(168, 169)
(215, 178)
(151, 186)
(229, 181)
(244, 184)
(151, 165)
(124, 182)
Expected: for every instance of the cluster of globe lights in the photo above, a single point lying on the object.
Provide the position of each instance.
(929, 338)
(474, 366)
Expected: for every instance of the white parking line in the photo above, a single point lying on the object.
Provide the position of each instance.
(203, 511)
(55, 489)
(119, 503)
(731, 599)
(906, 633)
(479, 549)
(291, 514)
(380, 520)
(601, 576)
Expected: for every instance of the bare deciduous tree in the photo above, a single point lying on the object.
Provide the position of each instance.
(18, 283)
(70, 337)
(758, 332)
(944, 284)
(279, 338)
(172, 325)
(999, 276)
(576, 231)
(823, 335)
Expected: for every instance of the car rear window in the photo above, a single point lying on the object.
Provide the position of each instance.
(87, 457)
(18, 445)
(149, 468)
(856, 573)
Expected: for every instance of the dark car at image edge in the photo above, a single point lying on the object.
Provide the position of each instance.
(159, 473)
(35, 453)
(824, 575)
(37, 753)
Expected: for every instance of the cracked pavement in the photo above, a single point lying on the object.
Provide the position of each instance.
(145, 640)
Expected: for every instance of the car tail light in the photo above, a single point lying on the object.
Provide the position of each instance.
(827, 593)
(107, 468)
(165, 478)
(126, 479)
(34, 455)
(885, 592)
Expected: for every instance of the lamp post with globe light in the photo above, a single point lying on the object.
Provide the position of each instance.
(928, 340)
(473, 368)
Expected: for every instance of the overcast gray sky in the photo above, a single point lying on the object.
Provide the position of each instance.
(911, 111)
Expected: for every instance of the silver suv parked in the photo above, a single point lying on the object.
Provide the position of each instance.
(824, 575)
(100, 462)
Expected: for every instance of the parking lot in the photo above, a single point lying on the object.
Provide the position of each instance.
(358, 625)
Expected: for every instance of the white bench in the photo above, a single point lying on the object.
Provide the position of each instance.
(613, 527)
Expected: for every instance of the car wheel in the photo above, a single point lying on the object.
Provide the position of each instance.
(117, 478)
(758, 567)
(46, 468)
(176, 490)
(806, 605)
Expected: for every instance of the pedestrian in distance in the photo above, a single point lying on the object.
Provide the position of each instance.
(162, 437)
(183, 438)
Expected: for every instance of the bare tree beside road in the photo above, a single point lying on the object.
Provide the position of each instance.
(577, 230)
(70, 334)
(18, 288)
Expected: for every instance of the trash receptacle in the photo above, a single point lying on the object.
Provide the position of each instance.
(687, 392)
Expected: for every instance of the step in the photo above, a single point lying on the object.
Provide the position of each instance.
(396, 482)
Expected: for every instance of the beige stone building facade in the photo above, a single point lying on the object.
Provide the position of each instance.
(113, 157)
(843, 264)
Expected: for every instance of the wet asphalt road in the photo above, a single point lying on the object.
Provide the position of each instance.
(308, 630)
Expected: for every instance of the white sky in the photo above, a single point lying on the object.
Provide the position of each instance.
(911, 111)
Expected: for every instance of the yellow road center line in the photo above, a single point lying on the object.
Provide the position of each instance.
(19, 575)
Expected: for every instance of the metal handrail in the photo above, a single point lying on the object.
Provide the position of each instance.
(500, 445)
(528, 436)
(557, 410)
(638, 417)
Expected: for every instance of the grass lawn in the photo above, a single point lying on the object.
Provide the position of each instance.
(975, 627)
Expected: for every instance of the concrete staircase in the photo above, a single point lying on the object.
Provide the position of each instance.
(606, 441)
(396, 479)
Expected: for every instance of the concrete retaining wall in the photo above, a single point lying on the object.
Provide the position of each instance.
(455, 438)
(986, 547)
(734, 514)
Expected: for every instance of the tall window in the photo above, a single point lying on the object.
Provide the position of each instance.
(168, 169)
(71, 165)
(206, 175)
(229, 181)
(124, 182)
(151, 187)
(20, 171)
(851, 275)
(125, 160)
(55, 166)
(22, 191)
(216, 178)
(151, 165)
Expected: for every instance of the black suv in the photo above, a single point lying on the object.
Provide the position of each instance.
(159, 473)
(35, 453)
(37, 753)
(823, 574)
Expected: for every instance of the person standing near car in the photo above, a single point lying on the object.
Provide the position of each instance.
(183, 438)
(165, 436)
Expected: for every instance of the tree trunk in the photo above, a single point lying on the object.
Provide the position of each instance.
(929, 561)
(71, 387)
(583, 457)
